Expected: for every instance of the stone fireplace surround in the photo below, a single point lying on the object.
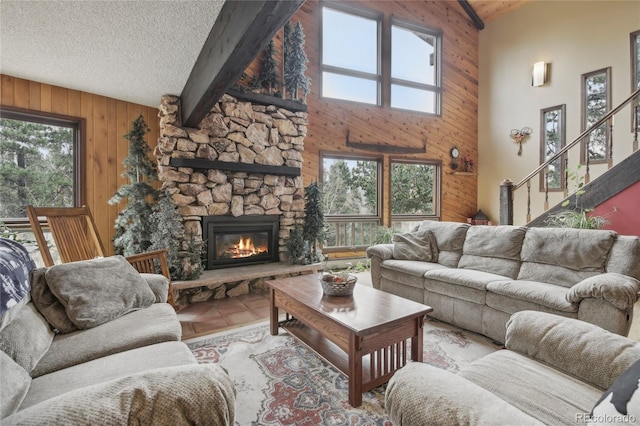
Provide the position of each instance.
(244, 159)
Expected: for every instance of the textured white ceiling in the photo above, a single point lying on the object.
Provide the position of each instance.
(133, 50)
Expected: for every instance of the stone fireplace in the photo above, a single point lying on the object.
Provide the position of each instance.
(240, 167)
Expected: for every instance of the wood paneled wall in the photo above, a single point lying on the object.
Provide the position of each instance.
(107, 121)
(329, 120)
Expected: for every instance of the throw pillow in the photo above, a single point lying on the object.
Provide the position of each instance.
(15, 385)
(419, 245)
(98, 290)
(48, 305)
(15, 264)
(620, 404)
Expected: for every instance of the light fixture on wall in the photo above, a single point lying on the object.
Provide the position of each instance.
(539, 76)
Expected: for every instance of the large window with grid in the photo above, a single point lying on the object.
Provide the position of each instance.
(415, 189)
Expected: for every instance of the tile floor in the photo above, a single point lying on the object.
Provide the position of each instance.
(216, 315)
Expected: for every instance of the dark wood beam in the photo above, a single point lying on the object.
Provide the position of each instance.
(204, 164)
(472, 14)
(240, 33)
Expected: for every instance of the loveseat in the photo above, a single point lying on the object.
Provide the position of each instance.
(476, 277)
(94, 342)
(554, 371)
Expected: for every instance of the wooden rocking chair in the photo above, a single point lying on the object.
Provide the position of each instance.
(76, 238)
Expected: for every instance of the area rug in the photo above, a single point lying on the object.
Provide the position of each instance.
(281, 382)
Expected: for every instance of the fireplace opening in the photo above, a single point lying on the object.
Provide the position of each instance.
(244, 240)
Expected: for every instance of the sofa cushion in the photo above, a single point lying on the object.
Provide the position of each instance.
(198, 394)
(450, 239)
(98, 290)
(624, 257)
(419, 245)
(27, 338)
(573, 346)
(106, 368)
(48, 304)
(493, 249)
(622, 399)
(453, 291)
(15, 264)
(564, 256)
(464, 277)
(155, 324)
(15, 385)
(539, 294)
(543, 392)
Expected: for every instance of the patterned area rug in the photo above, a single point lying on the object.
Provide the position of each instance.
(281, 382)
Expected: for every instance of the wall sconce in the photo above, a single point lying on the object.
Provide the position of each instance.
(539, 75)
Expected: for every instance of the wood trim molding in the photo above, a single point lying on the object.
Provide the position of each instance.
(261, 99)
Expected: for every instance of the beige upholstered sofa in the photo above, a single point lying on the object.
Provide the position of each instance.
(554, 371)
(95, 342)
(476, 277)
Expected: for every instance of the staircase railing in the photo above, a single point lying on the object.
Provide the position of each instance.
(508, 188)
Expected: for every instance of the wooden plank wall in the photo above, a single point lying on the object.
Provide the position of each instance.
(107, 121)
(329, 120)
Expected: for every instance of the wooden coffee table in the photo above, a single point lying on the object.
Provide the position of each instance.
(364, 336)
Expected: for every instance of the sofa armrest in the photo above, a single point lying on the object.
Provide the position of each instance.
(159, 284)
(186, 394)
(576, 347)
(419, 394)
(383, 251)
(619, 290)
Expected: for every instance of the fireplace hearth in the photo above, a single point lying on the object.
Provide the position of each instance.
(237, 241)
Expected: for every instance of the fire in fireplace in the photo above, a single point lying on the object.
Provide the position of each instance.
(244, 240)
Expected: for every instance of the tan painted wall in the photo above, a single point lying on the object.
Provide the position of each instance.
(576, 38)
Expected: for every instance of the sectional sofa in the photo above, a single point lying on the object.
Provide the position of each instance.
(476, 277)
(94, 342)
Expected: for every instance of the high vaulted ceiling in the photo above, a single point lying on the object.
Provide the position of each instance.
(135, 50)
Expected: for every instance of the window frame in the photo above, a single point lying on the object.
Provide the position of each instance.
(79, 136)
(377, 78)
(354, 218)
(435, 89)
(562, 141)
(583, 118)
(437, 199)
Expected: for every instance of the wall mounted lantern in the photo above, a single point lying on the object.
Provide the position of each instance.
(539, 75)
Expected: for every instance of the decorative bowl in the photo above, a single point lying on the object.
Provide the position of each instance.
(338, 284)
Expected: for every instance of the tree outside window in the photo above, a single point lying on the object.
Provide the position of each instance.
(38, 162)
(414, 192)
(596, 101)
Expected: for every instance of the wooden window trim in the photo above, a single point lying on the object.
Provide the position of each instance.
(583, 118)
(563, 141)
(437, 187)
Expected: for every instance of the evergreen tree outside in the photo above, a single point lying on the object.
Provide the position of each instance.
(295, 61)
(268, 76)
(36, 166)
(314, 222)
(133, 224)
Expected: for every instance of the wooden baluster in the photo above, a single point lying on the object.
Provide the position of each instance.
(566, 177)
(529, 201)
(635, 127)
(587, 178)
(610, 137)
(546, 191)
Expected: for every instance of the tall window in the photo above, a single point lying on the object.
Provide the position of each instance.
(415, 68)
(596, 101)
(351, 199)
(39, 162)
(415, 189)
(552, 135)
(351, 55)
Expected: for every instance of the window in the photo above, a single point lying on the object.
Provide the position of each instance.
(635, 77)
(415, 68)
(351, 200)
(552, 135)
(596, 101)
(39, 162)
(415, 189)
(351, 55)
